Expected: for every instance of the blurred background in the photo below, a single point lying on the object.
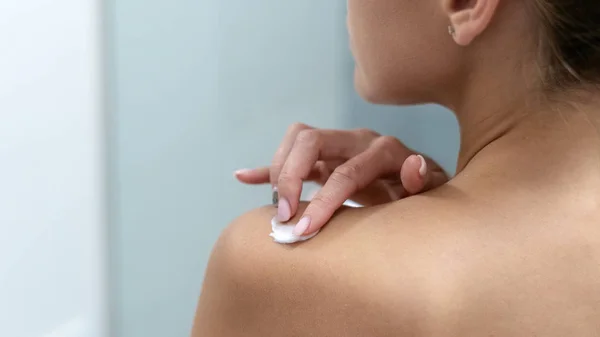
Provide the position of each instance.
(121, 123)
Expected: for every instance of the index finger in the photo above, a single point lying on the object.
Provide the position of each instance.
(310, 147)
(284, 150)
(346, 180)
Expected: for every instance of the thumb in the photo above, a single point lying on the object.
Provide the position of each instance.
(414, 174)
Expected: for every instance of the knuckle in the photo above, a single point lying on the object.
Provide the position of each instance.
(347, 175)
(308, 137)
(285, 178)
(276, 167)
(320, 202)
(294, 128)
(387, 142)
(364, 133)
(389, 148)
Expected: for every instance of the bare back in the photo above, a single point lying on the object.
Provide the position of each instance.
(446, 263)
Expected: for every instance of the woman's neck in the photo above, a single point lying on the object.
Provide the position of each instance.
(534, 141)
(488, 118)
(506, 100)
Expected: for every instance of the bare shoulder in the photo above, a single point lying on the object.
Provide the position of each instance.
(369, 272)
(439, 264)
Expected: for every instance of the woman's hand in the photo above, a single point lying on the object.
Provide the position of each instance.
(359, 165)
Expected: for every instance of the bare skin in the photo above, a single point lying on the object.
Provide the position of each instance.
(498, 251)
(508, 247)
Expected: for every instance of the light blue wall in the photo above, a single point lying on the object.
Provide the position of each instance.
(197, 90)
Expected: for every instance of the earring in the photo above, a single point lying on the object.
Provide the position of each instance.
(451, 30)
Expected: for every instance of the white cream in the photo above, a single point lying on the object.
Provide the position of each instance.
(283, 233)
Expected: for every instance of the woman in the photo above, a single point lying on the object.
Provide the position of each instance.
(509, 247)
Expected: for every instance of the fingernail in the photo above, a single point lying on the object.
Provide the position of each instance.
(241, 171)
(302, 226)
(284, 212)
(423, 168)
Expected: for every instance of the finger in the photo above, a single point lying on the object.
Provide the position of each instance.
(253, 176)
(349, 178)
(259, 176)
(416, 181)
(284, 149)
(310, 147)
(414, 174)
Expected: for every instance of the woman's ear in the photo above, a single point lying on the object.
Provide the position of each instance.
(469, 18)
